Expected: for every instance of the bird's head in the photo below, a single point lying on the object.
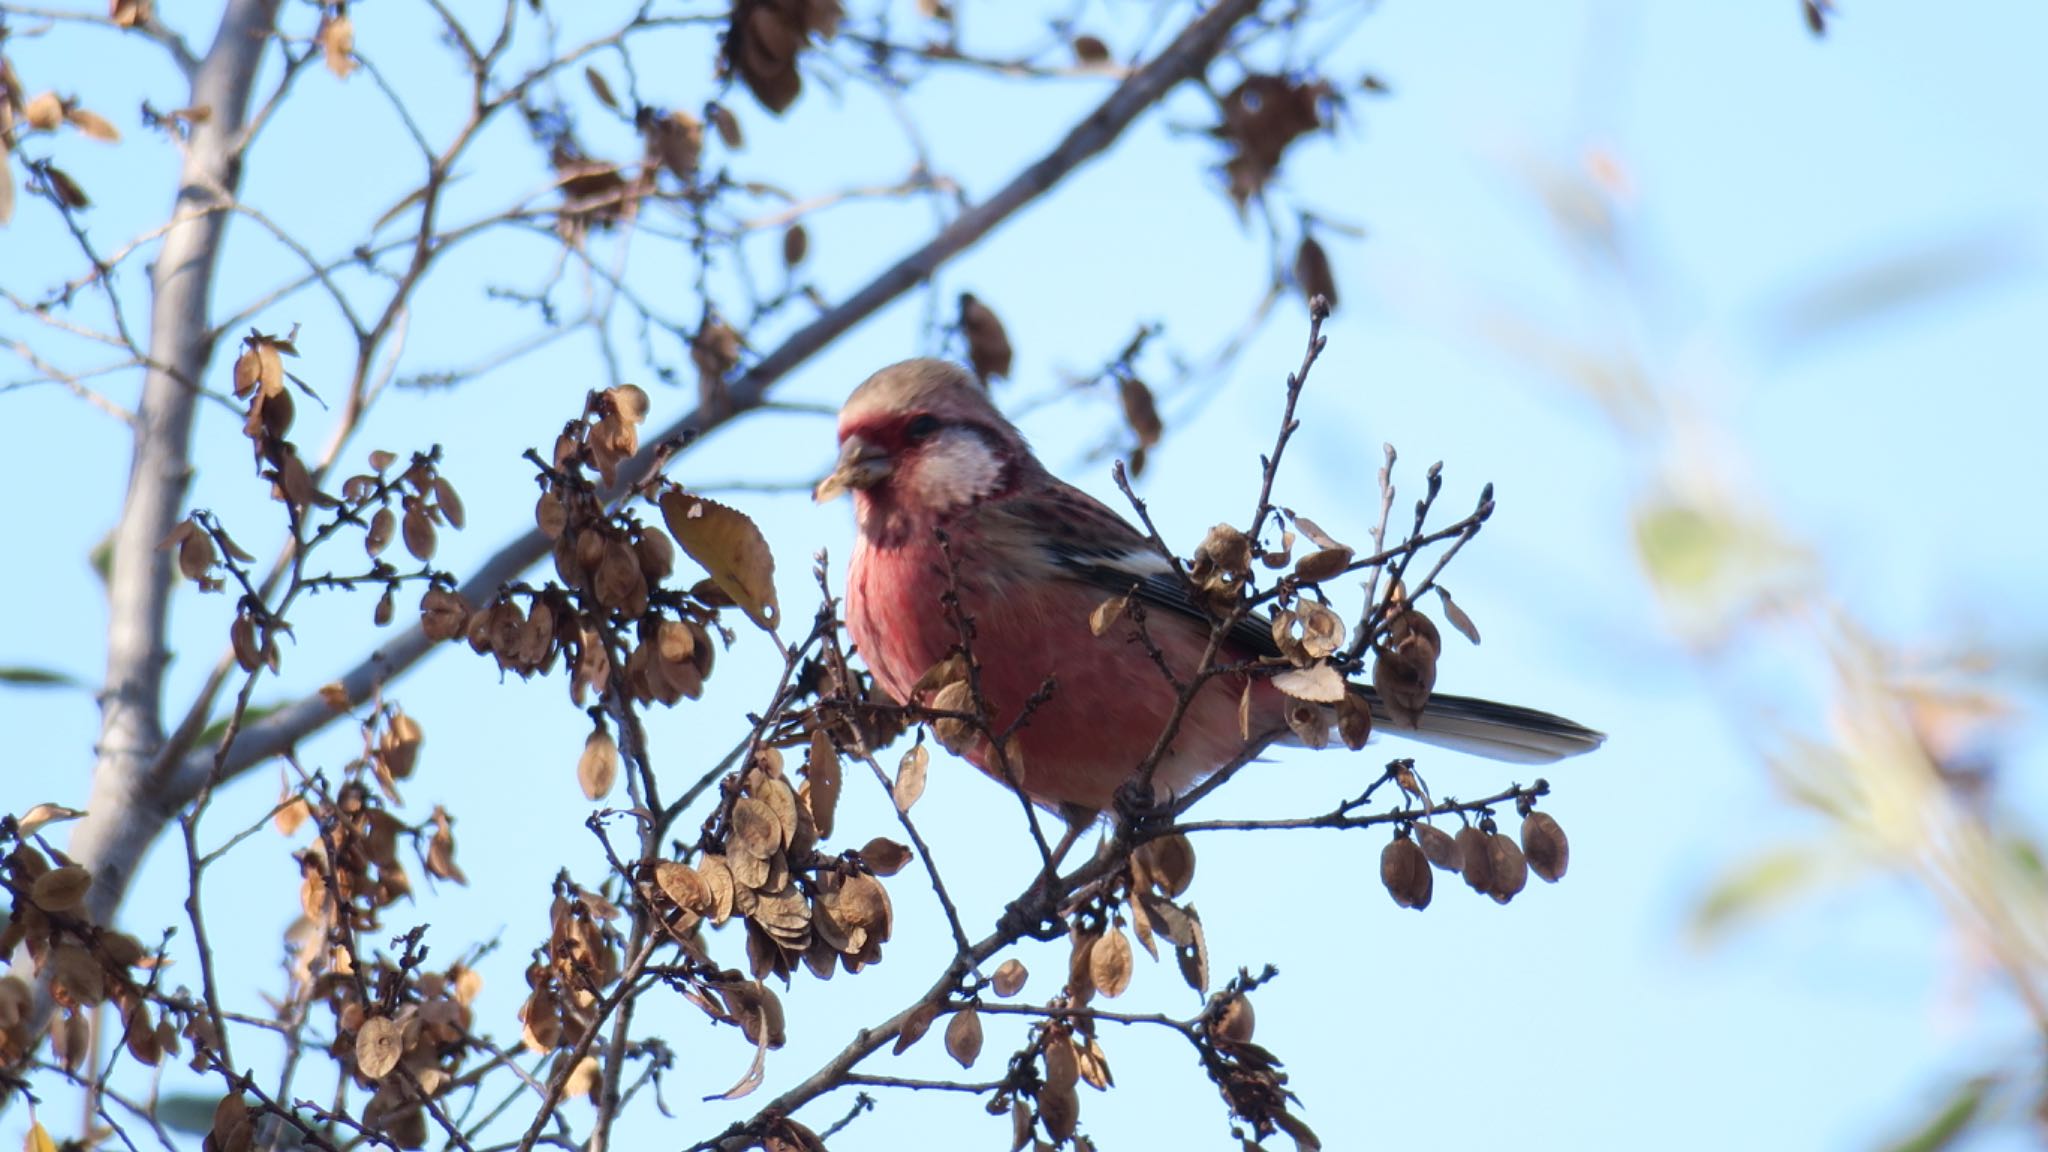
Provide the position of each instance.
(922, 436)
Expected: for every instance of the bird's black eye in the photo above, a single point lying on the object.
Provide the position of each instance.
(921, 428)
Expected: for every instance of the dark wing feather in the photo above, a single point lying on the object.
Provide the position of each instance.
(1083, 537)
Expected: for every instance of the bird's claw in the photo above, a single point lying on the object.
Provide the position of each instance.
(1140, 809)
(1034, 914)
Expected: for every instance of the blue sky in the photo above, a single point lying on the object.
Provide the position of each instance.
(1762, 165)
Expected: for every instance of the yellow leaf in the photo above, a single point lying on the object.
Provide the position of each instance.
(730, 547)
(39, 1139)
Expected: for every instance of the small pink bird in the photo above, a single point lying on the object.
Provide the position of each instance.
(923, 450)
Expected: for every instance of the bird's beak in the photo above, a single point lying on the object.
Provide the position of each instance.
(861, 465)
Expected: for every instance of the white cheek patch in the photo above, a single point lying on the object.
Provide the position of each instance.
(955, 467)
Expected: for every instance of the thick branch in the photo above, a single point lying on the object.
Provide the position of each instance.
(128, 810)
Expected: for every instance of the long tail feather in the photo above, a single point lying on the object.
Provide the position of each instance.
(1495, 731)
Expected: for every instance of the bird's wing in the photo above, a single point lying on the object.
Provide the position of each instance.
(1083, 538)
(1087, 541)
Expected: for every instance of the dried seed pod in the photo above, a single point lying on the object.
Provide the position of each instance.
(1109, 963)
(727, 124)
(1509, 868)
(1140, 412)
(1405, 872)
(963, 1036)
(443, 614)
(796, 244)
(1354, 721)
(1009, 978)
(1312, 272)
(550, 515)
(1090, 50)
(1403, 676)
(1234, 1020)
(915, 1026)
(1475, 858)
(1545, 846)
(988, 345)
(1438, 845)
(598, 768)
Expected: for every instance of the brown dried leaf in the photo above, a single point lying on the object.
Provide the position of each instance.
(910, 777)
(1090, 50)
(1092, 1064)
(1193, 956)
(66, 189)
(963, 1036)
(1107, 613)
(727, 124)
(232, 1129)
(730, 547)
(93, 124)
(1058, 1106)
(1457, 616)
(915, 1026)
(600, 88)
(796, 244)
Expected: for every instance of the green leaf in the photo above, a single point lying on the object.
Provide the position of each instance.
(215, 731)
(187, 1112)
(1953, 1121)
(1752, 888)
(24, 677)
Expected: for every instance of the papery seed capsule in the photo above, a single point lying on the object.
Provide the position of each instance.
(1509, 867)
(1405, 872)
(1234, 1020)
(1474, 859)
(1438, 845)
(1545, 846)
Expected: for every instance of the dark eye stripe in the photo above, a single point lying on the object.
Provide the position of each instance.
(922, 427)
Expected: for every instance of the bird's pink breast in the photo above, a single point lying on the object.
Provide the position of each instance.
(1109, 702)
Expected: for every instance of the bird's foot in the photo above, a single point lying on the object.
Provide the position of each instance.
(1141, 810)
(1035, 914)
